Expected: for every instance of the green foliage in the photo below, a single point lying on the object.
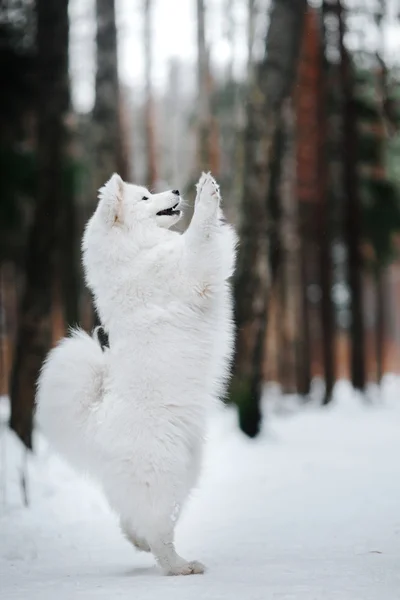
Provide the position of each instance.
(380, 191)
(369, 151)
(381, 217)
(226, 96)
(18, 169)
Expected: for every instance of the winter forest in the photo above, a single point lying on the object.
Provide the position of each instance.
(294, 106)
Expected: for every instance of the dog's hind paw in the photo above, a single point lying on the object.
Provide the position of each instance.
(193, 567)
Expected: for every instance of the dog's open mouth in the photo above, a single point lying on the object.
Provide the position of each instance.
(169, 212)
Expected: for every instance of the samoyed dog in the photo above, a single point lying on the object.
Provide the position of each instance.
(133, 415)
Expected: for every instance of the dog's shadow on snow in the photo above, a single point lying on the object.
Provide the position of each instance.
(150, 571)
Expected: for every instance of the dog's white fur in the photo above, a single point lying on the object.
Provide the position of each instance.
(134, 415)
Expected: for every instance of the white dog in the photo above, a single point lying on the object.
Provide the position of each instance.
(133, 416)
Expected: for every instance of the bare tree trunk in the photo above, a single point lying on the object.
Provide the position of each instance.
(380, 323)
(69, 265)
(251, 17)
(4, 333)
(106, 120)
(304, 345)
(34, 333)
(230, 6)
(106, 123)
(272, 84)
(353, 212)
(289, 235)
(325, 236)
(203, 75)
(149, 101)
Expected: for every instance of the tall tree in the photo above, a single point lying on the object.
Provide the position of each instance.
(106, 122)
(272, 83)
(353, 209)
(34, 316)
(151, 157)
(290, 292)
(325, 225)
(251, 19)
(203, 83)
(107, 135)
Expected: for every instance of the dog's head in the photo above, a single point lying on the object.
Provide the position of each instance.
(126, 205)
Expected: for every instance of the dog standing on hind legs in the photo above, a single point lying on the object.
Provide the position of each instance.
(133, 415)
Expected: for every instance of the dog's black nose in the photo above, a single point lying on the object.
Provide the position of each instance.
(176, 192)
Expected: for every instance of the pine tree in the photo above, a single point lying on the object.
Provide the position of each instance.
(272, 84)
(34, 330)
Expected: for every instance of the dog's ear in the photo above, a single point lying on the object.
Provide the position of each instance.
(111, 197)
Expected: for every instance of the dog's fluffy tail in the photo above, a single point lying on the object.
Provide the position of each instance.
(69, 389)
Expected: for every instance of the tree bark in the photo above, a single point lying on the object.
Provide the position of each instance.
(304, 345)
(34, 332)
(149, 101)
(203, 82)
(325, 235)
(380, 323)
(251, 18)
(107, 135)
(273, 80)
(69, 265)
(290, 263)
(106, 118)
(353, 212)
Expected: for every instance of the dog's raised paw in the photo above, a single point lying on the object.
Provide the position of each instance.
(193, 567)
(208, 189)
(203, 178)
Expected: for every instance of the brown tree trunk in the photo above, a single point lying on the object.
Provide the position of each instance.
(353, 212)
(151, 178)
(107, 135)
(251, 18)
(290, 263)
(203, 82)
(34, 332)
(272, 84)
(106, 122)
(380, 323)
(69, 266)
(304, 346)
(325, 237)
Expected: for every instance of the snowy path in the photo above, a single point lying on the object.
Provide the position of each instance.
(311, 511)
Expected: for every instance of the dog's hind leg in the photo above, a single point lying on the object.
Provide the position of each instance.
(128, 531)
(162, 546)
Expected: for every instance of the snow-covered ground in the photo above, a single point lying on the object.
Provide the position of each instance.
(309, 511)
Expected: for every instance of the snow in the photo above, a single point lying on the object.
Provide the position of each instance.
(309, 511)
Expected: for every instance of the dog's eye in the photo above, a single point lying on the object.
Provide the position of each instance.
(145, 198)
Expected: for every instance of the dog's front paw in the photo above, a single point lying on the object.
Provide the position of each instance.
(193, 567)
(207, 189)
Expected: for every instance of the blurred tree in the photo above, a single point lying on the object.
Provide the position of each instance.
(107, 135)
(289, 276)
(272, 83)
(151, 178)
(380, 194)
(324, 218)
(251, 19)
(106, 123)
(34, 331)
(353, 209)
(68, 260)
(203, 83)
(17, 99)
(307, 191)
